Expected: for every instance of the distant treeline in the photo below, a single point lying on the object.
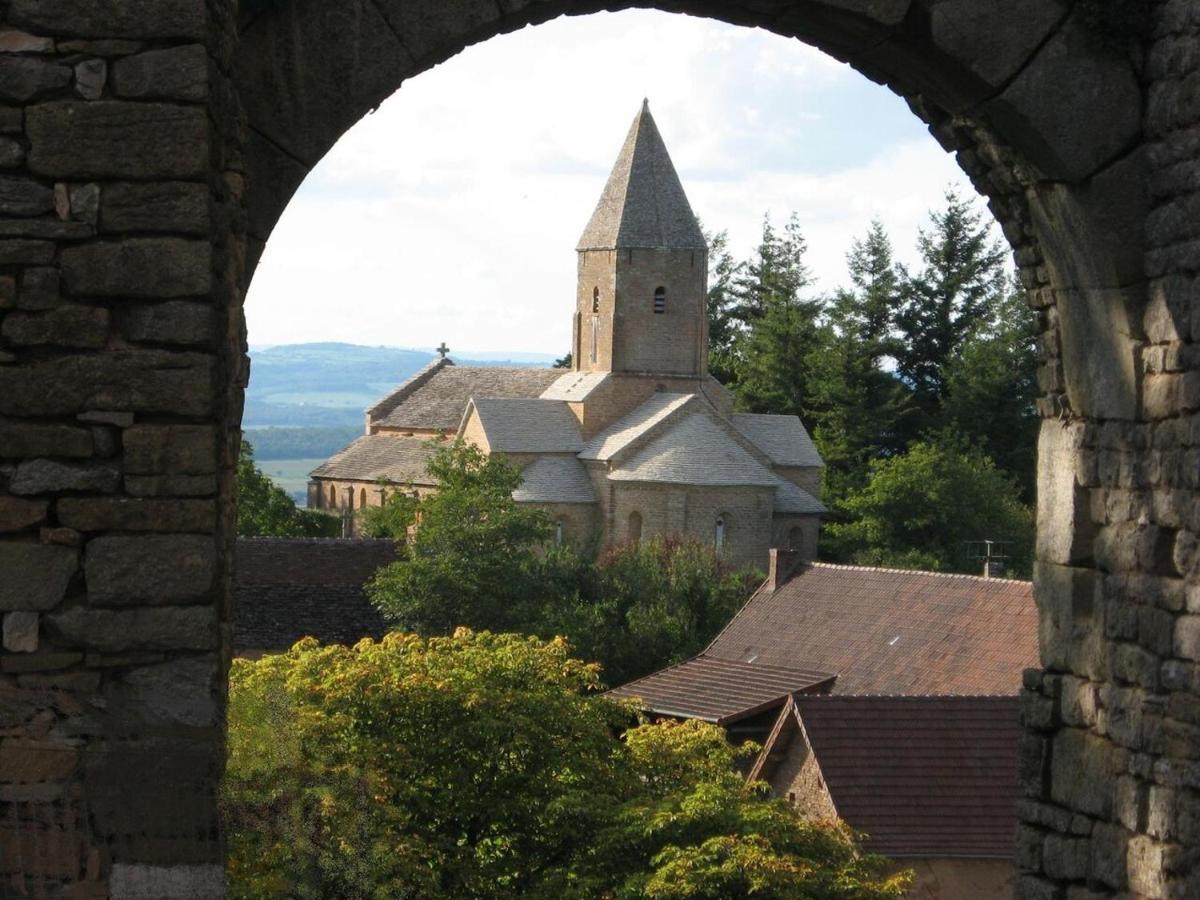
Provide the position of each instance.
(300, 443)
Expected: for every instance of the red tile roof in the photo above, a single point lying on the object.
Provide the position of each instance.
(890, 631)
(922, 776)
(720, 691)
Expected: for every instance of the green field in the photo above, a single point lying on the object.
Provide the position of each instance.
(291, 475)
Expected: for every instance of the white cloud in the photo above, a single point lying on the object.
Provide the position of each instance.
(452, 212)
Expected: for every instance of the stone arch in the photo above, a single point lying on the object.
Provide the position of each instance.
(122, 363)
(633, 527)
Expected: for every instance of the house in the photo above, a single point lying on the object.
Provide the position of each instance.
(636, 439)
(884, 697)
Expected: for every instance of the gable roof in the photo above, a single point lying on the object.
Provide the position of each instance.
(791, 499)
(438, 401)
(633, 425)
(694, 451)
(527, 425)
(381, 457)
(575, 386)
(782, 438)
(555, 479)
(718, 690)
(891, 631)
(922, 776)
(643, 203)
(289, 588)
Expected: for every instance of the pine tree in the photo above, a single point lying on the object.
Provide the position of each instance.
(783, 327)
(944, 304)
(723, 325)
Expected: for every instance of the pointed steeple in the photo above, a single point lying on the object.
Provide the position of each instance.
(643, 204)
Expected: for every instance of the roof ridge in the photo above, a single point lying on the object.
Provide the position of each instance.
(850, 568)
(918, 697)
(381, 409)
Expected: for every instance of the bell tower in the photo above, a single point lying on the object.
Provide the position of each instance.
(643, 269)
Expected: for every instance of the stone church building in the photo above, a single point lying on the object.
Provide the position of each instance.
(636, 439)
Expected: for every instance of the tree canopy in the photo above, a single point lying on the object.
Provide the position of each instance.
(477, 766)
(265, 510)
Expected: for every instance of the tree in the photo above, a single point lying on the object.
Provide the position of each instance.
(564, 362)
(859, 409)
(641, 606)
(477, 766)
(265, 510)
(393, 517)
(921, 508)
(783, 329)
(474, 558)
(953, 294)
(991, 389)
(724, 327)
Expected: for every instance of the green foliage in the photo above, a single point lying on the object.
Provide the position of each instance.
(919, 509)
(476, 766)
(643, 606)
(475, 558)
(480, 559)
(391, 519)
(564, 362)
(265, 510)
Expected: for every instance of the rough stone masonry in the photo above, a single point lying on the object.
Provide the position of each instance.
(147, 148)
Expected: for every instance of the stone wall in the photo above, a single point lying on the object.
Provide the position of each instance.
(146, 151)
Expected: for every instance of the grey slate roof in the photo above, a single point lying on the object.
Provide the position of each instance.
(575, 386)
(405, 390)
(792, 499)
(783, 438)
(619, 435)
(694, 451)
(438, 402)
(643, 204)
(524, 425)
(555, 479)
(387, 457)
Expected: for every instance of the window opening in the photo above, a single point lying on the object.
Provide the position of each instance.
(332, 497)
(635, 527)
(362, 498)
(596, 300)
(660, 300)
(719, 537)
(558, 533)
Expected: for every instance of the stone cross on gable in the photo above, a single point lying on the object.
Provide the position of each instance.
(443, 350)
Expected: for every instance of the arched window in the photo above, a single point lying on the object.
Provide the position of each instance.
(660, 300)
(595, 299)
(332, 497)
(795, 538)
(362, 498)
(719, 536)
(634, 532)
(558, 533)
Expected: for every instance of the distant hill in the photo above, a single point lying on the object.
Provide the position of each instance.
(330, 384)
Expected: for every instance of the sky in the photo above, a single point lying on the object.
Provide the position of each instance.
(451, 213)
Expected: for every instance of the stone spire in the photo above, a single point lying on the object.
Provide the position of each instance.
(643, 204)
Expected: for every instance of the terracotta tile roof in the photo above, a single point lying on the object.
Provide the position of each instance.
(632, 426)
(555, 479)
(390, 457)
(696, 451)
(289, 588)
(791, 499)
(783, 438)
(719, 691)
(643, 204)
(891, 631)
(528, 425)
(922, 776)
(438, 401)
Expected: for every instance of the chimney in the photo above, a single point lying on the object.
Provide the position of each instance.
(780, 566)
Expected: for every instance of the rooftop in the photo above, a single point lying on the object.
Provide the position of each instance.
(643, 203)
(695, 451)
(555, 479)
(718, 690)
(374, 457)
(922, 776)
(891, 631)
(783, 438)
(437, 401)
(528, 425)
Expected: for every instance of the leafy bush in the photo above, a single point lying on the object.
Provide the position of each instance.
(476, 766)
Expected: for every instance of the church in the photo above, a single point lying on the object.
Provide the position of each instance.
(636, 439)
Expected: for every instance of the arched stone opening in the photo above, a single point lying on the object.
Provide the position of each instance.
(122, 368)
